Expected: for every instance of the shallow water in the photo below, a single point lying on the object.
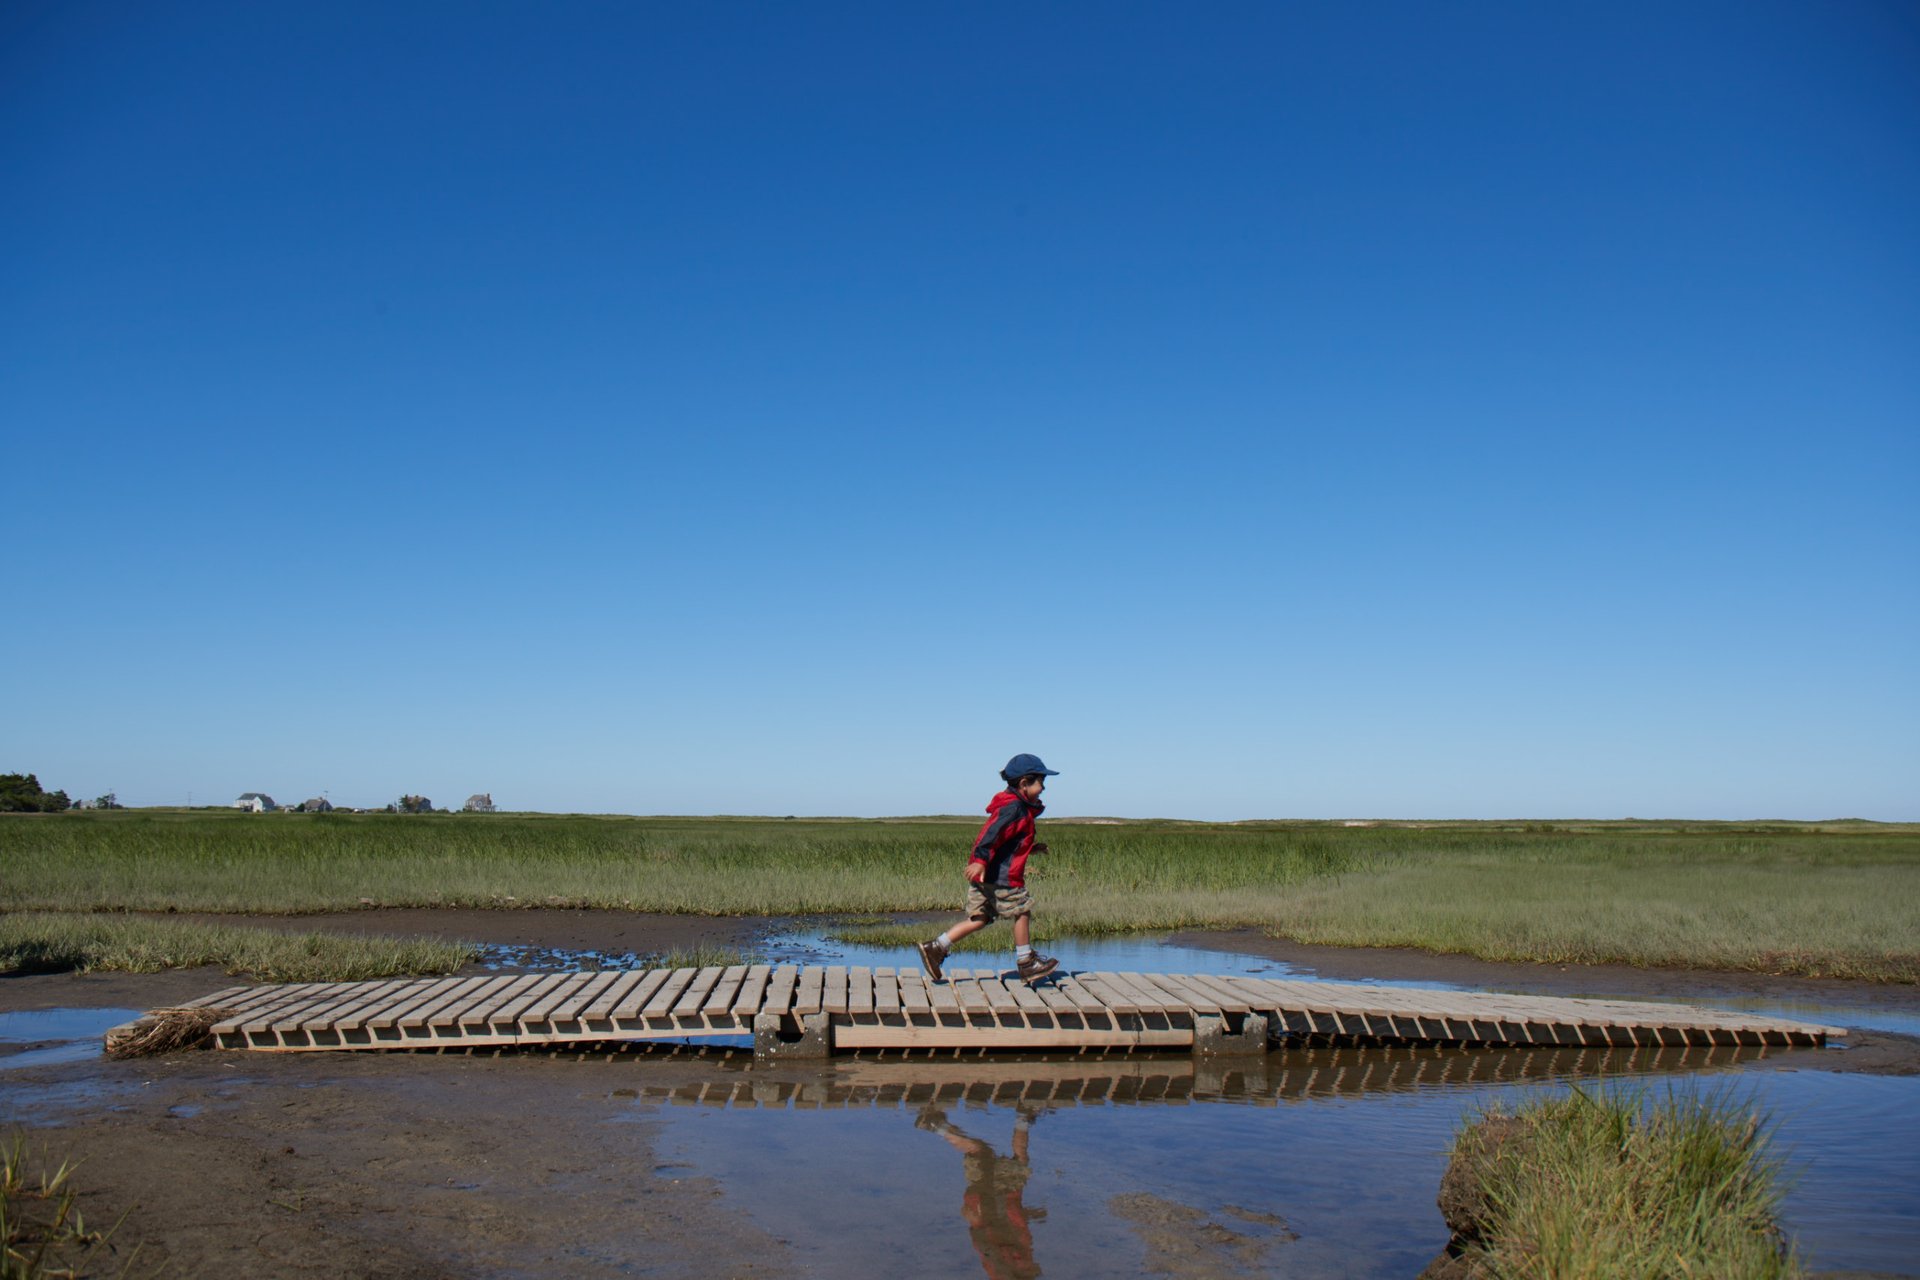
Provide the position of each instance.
(1311, 1163)
(45, 1036)
(1320, 1162)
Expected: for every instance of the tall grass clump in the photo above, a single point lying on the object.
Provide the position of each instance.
(41, 1232)
(1615, 1184)
(55, 941)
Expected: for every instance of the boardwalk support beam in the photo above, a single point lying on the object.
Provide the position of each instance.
(1229, 1034)
(778, 1036)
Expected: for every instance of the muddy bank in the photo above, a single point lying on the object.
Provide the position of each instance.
(381, 1165)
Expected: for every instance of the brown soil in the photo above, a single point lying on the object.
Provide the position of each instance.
(533, 1164)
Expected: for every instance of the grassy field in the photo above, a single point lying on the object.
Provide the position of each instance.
(1617, 1185)
(43, 942)
(1839, 899)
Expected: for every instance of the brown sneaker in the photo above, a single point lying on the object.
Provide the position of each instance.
(1036, 967)
(930, 957)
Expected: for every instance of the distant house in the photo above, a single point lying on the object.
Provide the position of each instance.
(256, 802)
(478, 804)
(319, 804)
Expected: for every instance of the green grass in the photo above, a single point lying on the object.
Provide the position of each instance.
(1840, 899)
(55, 941)
(1606, 1185)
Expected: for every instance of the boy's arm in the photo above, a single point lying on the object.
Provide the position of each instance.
(989, 836)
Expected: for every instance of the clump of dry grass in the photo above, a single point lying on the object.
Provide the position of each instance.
(167, 1030)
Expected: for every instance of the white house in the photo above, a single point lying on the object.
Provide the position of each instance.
(482, 803)
(256, 802)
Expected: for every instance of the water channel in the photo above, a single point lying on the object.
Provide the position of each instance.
(1311, 1162)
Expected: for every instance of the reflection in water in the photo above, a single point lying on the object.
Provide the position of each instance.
(1307, 1162)
(994, 1203)
(1002, 1080)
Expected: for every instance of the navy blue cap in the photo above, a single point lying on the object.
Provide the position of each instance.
(1022, 765)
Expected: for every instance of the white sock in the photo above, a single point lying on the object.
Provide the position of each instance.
(1022, 953)
(943, 943)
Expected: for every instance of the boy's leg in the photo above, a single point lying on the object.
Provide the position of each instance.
(933, 952)
(1032, 965)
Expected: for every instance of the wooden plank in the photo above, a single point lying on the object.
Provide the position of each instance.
(913, 994)
(1001, 999)
(697, 991)
(1231, 1001)
(811, 996)
(941, 1000)
(540, 1008)
(401, 995)
(1141, 999)
(1117, 999)
(341, 997)
(891, 1036)
(455, 1013)
(431, 992)
(420, 1012)
(509, 1009)
(1084, 1000)
(859, 989)
(668, 992)
(969, 990)
(595, 986)
(323, 996)
(262, 1012)
(753, 990)
(1031, 1006)
(235, 998)
(1177, 992)
(886, 992)
(781, 986)
(834, 997)
(625, 1005)
(720, 1000)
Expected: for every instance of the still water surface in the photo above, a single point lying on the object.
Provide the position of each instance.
(1315, 1163)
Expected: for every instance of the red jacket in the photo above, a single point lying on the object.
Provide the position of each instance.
(1004, 843)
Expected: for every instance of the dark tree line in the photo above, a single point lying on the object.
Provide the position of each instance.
(21, 793)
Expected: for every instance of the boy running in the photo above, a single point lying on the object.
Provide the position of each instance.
(997, 871)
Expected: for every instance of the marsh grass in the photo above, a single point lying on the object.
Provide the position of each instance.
(1617, 1184)
(58, 941)
(1837, 899)
(41, 1232)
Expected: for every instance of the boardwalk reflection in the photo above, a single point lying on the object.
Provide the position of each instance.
(919, 1082)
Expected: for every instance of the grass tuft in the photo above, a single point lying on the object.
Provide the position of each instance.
(41, 1233)
(1615, 1184)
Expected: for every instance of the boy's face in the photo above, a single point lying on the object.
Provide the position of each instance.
(1029, 789)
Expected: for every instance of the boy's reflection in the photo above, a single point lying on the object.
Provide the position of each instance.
(996, 1216)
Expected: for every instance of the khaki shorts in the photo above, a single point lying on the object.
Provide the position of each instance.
(991, 901)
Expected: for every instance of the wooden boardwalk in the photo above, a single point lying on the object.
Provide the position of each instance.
(813, 1011)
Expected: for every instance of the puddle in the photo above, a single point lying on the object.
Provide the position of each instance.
(1321, 1162)
(1310, 1163)
(44, 1037)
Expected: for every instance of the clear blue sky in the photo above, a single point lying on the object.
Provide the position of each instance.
(1265, 411)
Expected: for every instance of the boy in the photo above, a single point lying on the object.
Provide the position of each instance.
(997, 871)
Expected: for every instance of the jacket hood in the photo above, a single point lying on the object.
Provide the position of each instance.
(1010, 796)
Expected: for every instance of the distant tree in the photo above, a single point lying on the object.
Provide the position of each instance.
(413, 804)
(21, 793)
(108, 801)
